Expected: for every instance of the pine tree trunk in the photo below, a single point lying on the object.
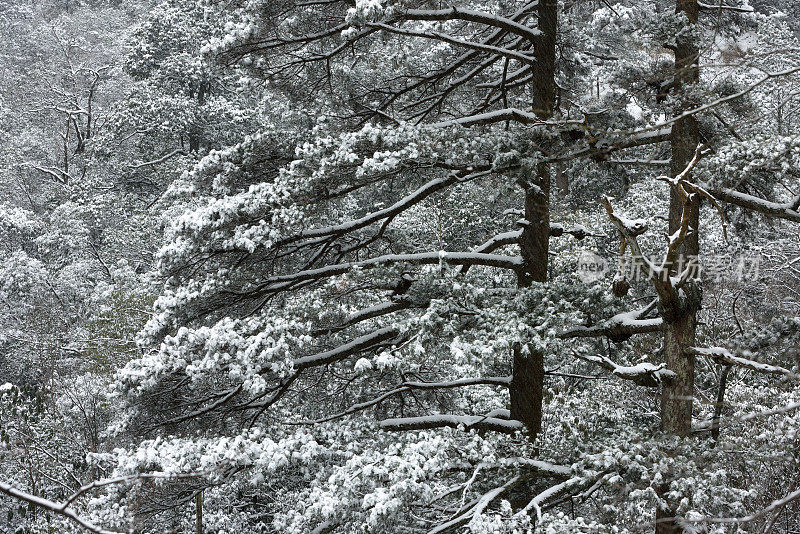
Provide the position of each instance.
(535, 238)
(528, 367)
(680, 322)
(676, 395)
(198, 518)
(526, 388)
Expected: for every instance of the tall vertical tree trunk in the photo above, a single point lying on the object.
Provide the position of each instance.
(198, 511)
(194, 136)
(676, 400)
(680, 323)
(528, 365)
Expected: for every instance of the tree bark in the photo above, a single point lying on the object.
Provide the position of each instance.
(535, 238)
(195, 136)
(526, 388)
(715, 421)
(676, 394)
(198, 518)
(680, 322)
(528, 366)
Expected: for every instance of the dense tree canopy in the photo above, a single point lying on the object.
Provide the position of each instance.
(377, 266)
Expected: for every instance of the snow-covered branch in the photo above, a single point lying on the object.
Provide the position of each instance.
(513, 263)
(725, 357)
(401, 205)
(773, 209)
(619, 327)
(65, 509)
(62, 509)
(469, 15)
(502, 115)
(555, 494)
(409, 386)
(500, 51)
(476, 507)
(341, 352)
(157, 161)
(644, 374)
(379, 310)
(469, 422)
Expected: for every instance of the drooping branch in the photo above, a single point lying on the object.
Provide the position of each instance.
(342, 352)
(719, 101)
(476, 507)
(379, 310)
(555, 494)
(428, 34)
(65, 509)
(775, 505)
(488, 19)
(401, 205)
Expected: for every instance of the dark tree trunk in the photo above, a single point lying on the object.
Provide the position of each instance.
(543, 91)
(680, 322)
(676, 395)
(526, 389)
(194, 136)
(720, 404)
(528, 366)
(535, 238)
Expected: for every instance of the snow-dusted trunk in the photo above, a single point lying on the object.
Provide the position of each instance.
(195, 137)
(676, 394)
(680, 321)
(528, 366)
(535, 238)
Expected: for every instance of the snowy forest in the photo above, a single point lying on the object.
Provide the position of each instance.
(399, 266)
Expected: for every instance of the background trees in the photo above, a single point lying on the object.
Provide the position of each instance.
(368, 314)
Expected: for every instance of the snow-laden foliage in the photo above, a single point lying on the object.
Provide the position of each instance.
(382, 266)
